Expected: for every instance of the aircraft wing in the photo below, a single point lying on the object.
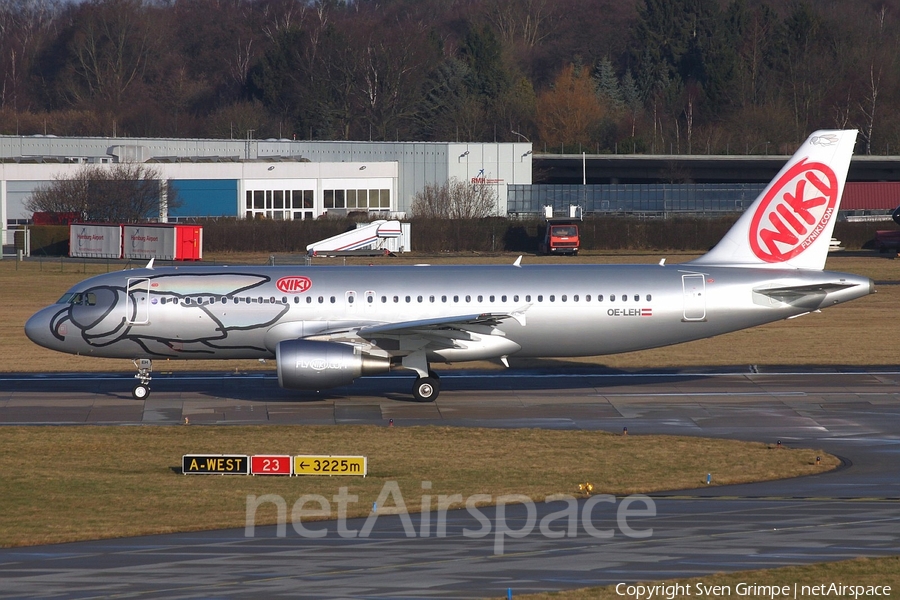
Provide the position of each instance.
(461, 322)
(422, 334)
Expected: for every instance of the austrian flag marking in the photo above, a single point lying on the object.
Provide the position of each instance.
(794, 212)
(296, 284)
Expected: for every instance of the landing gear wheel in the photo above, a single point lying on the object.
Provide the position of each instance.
(426, 389)
(145, 367)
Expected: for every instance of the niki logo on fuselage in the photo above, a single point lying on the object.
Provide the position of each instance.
(296, 284)
(794, 212)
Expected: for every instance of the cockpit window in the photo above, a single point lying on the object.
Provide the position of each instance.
(79, 299)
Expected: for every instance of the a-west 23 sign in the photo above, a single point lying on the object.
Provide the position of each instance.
(273, 464)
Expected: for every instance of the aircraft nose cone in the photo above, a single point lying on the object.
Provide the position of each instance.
(37, 328)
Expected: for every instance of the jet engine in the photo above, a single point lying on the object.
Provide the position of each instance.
(311, 365)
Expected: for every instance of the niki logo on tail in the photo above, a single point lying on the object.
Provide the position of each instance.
(801, 203)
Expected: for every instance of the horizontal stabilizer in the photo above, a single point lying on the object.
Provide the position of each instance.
(805, 290)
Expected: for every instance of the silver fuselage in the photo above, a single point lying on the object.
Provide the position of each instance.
(561, 311)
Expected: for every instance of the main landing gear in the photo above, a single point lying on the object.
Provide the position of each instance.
(428, 384)
(144, 367)
(426, 389)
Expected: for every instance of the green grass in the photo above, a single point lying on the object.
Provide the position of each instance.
(72, 483)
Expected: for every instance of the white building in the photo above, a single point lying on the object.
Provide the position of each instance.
(278, 179)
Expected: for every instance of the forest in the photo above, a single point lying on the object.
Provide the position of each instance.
(604, 76)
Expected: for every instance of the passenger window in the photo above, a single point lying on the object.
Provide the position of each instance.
(637, 297)
(443, 298)
(456, 298)
(516, 298)
(332, 299)
(624, 297)
(370, 298)
(587, 298)
(309, 299)
(648, 297)
(384, 299)
(396, 299)
(612, 297)
(491, 298)
(528, 298)
(480, 298)
(321, 299)
(468, 298)
(350, 299)
(563, 298)
(502, 298)
(540, 298)
(552, 298)
(408, 299)
(419, 299)
(296, 299)
(431, 299)
(575, 297)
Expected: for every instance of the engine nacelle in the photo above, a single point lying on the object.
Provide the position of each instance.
(311, 365)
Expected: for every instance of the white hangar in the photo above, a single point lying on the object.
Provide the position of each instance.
(278, 179)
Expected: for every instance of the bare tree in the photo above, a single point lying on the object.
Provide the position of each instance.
(120, 193)
(433, 202)
(455, 199)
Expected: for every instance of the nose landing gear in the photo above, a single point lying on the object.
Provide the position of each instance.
(142, 389)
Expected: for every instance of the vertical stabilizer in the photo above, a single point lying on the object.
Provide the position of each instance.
(791, 222)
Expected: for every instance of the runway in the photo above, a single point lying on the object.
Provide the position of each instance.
(854, 511)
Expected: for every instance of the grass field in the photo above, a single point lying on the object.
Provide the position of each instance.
(857, 333)
(68, 483)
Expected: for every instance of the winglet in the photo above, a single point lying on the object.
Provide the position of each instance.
(150, 264)
(518, 262)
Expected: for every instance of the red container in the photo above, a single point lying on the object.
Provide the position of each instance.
(876, 195)
(188, 242)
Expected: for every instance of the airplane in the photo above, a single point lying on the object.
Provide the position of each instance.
(328, 325)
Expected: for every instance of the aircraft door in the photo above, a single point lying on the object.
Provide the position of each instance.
(138, 303)
(694, 286)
